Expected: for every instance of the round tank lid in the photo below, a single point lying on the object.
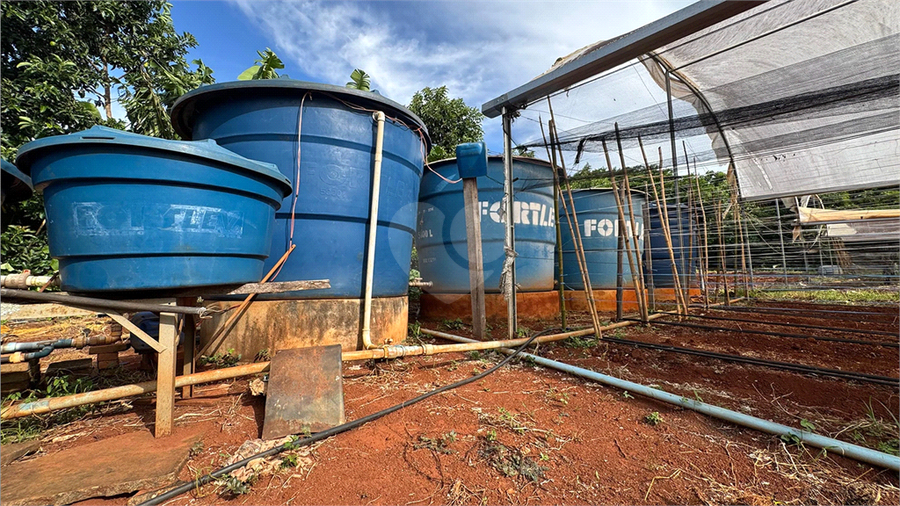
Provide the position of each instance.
(185, 109)
(104, 136)
(19, 188)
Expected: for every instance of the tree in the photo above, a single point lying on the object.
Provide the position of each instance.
(449, 121)
(64, 60)
(266, 67)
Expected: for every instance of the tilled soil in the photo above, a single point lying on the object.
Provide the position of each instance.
(528, 435)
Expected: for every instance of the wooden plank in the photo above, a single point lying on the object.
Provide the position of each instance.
(165, 378)
(476, 262)
(190, 328)
(125, 322)
(281, 286)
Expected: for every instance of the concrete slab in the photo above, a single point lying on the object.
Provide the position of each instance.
(113, 466)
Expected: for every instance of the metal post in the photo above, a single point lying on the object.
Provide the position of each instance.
(781, 240)
(681, 269)
(648, 254)
(510, 239)
(559, 260)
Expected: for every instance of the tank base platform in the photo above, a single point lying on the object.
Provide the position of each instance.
(459, 305)
(281, 324)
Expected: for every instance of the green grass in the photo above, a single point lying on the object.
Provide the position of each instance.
(30, 427)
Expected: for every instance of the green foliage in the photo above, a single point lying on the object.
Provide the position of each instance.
(791, 439)
(440, 444)
(453, 324)
(289, 461)
(581, 342)
(234, 486)
(22, 248)
(653, 419)
(449, 121)
(64, 60)
(23, 429)
(806, 424)
(266, 67)
(359, 80)
(221, 360)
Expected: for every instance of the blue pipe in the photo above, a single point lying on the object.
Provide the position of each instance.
(849, 450)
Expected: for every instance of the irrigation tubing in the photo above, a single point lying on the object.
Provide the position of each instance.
(799, 325)
(776, 334)
(764, 309)
(292, 445)
(857, 376)
(835, 446)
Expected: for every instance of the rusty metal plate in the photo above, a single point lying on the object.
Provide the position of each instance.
(305, 391)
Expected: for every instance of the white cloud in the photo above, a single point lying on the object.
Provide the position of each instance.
(479, 50)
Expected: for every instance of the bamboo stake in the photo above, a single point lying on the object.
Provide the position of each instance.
(648, 252)
(620, 205)
(572, 216)
(704, 254)
(719, 221)
(640, 264)
(667, 231)
(223, 331)
(691, 228)
(663, 221)
(551, 155)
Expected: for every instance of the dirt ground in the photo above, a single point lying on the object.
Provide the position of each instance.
(529, 435)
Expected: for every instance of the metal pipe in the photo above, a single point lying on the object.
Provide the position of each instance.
(18, 356)
(509, 242)
(54, 403)
(832, 445)
(25, 280)
(781, 239)
(93, 303)
(373, 226)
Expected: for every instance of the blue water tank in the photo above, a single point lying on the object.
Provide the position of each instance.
(598, 223)
(330, 168)
(15, 185)
(684, 246)
(126, 212)
(441, 241)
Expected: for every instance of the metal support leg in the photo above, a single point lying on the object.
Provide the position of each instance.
(165, 379)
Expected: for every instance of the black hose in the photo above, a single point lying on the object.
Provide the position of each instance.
(766, 309)
(857, 376)
(95, 303)
(776, 334)
(782, 324)
(203, 480)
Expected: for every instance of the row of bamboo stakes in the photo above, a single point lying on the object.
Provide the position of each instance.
(624, 201)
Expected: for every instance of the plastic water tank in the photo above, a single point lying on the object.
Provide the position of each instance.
(126, 212)
(441, 241)
(598, 224)
(322, 137)
(684, 246)
(15, 185)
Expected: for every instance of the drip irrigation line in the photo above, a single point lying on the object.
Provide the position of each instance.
(776, 334)
(764, 309)
(293, 445)
(808, 369)
(804, 326)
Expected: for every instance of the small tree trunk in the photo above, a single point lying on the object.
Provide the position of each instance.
(107, 91)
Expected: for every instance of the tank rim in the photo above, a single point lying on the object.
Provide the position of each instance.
(184, 110)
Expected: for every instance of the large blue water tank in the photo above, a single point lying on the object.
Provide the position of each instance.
(598, 223)
(330, 168)
(441, 241)
(126, 212)
(15, 185)
(684, 246)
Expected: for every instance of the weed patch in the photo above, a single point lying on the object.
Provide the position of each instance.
(511, 462)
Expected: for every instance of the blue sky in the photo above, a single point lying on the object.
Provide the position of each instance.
(479, 50)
